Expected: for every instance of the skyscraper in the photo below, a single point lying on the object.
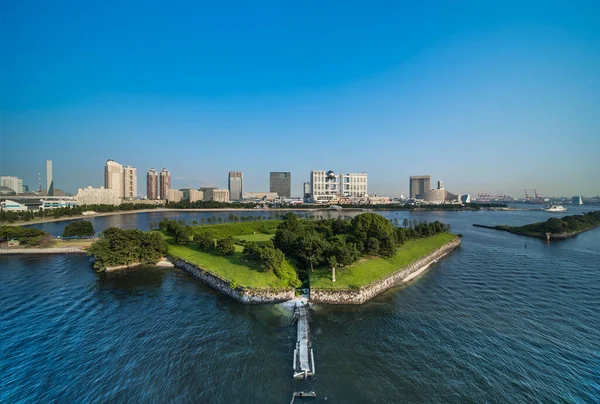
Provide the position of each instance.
(236, 179)
(165, 183)
(49, 181)
(113, 177)
(419, 184)
(152, 184)
(130, 182)
(281, 182)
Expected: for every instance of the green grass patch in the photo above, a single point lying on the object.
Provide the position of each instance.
(366, 271)
(240, 229)
(257, 238)
(234, 269)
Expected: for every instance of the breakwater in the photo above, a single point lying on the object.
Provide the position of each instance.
(543, 236)
(367, 292)
(241, 294)
(38, 251)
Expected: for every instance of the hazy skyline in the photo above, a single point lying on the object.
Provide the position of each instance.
(493, 98)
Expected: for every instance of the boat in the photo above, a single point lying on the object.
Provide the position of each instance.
(555, 208)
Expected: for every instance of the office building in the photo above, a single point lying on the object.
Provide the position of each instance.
(152, 184)
(14, 183)
(113, 177)
(577, 200)
(236, 189)
(192, 195)
(419, 184)
(281, 182)
(98, 196)
(130, 182)
(49, 181)
(306, 192)
(165, 183)
(173, 195)
(328, 186)
(215, 194)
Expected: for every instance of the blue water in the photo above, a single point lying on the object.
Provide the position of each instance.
(502, 319)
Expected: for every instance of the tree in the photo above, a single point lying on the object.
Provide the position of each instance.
(204, 240)
(183, 234)
(310, 249)
(405, 223)
(80, 228)
(226, 246)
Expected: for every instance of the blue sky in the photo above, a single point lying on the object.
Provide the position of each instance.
(486, 96)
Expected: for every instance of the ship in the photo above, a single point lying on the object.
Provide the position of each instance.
(555, 208)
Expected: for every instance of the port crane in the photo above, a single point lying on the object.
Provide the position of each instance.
(527, 196)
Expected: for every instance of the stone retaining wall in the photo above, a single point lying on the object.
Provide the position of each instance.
(359, 296)
(243, 295)
(33, 250)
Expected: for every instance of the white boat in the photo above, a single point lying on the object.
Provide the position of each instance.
(555, 208)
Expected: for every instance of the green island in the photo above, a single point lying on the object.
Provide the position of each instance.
(554, 228)
(274, 255)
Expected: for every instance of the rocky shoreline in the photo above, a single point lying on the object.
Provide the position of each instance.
(241, 294)
(365, 293)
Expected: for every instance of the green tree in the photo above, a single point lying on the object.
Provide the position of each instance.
(310, 249)
(79, 228)
(225, 246)
(405, 223)
(204, 240)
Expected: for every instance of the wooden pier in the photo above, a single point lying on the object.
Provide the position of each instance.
(304, 360)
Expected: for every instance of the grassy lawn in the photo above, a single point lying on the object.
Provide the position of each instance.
(367, 271)
(232, 268)
(81, 243)
(258, 237)
(240, 228)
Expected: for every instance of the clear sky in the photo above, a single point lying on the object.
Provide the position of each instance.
(487, 96)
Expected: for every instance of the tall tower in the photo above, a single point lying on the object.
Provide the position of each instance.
(113, 177)
(49, 181)
(236, 190)
(165, 183)
(281, 182)
(419, 184)
(129, 182)
(152, 184)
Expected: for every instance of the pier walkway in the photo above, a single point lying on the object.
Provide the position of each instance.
(304, 361)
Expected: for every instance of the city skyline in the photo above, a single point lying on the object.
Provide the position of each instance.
(489, 98)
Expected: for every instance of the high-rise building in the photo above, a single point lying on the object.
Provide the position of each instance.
(130, 182)
(49, 181)
(306, 192)
(12, 183)
(419, 184)
(165, 183)
(113, 177)
(236, 179)
(98, 196)
(152, 184)
(281, 182)
(577, 200)
(327, 186)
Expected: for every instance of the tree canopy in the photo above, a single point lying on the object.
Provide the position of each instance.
(79, 228)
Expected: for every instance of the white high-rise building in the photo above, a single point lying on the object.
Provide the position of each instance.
(49, 181)
(130, 182)
(97, 196)
(328, 186)
(12, 183)
(113, 177)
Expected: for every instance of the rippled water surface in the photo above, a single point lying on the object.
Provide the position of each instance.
(502, 319)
